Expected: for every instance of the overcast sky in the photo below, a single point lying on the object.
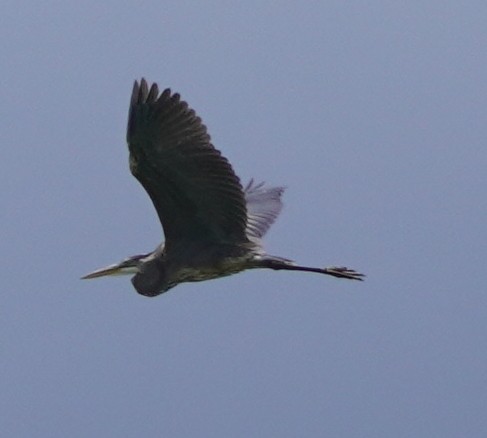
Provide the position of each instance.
(372, 114)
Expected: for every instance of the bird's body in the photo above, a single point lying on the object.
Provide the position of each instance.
(212, 225)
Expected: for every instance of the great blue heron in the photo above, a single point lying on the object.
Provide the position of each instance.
(212, 225)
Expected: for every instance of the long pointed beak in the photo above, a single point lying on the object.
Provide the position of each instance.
(116, 269)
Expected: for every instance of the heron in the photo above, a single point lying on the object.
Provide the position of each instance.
(212, 225)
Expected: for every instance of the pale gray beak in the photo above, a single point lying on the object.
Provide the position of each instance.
(123, 268)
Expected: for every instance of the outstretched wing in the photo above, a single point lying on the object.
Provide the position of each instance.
(263, 206)
(193, 187)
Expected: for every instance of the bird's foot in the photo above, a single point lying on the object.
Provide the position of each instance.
(343, 272)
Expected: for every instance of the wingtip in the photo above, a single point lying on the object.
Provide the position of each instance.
(153, 93)
(135, 93)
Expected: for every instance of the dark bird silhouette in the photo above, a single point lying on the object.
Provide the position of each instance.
(212, 225)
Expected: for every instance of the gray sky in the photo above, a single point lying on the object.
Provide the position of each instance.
(373, 114)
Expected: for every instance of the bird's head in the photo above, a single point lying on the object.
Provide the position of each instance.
(149, 271)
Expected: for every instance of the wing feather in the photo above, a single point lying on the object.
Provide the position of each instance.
(194, 189)
(263, 206)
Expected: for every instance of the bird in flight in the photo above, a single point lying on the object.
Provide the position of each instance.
(212, 225)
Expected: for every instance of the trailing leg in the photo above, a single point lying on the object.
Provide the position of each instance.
(278, 263)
